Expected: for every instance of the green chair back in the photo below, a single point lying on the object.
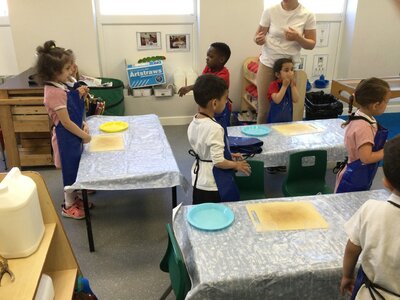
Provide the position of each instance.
(306, 174)
(252, 187)
(174, 264)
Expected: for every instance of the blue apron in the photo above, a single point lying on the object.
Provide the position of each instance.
(70, 145)
(282, 112)
(224, 178)
(224, 118)
(358, 176)
(373, 288)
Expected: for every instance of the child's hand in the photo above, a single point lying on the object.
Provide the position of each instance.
(85, 127)
(285, 82)
(346, 285)
(86, 139)
(243, 166)
(183, 91)
(237, 156)
(83, 91)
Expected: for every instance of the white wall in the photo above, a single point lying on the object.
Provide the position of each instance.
(8, 60)
(371, 43)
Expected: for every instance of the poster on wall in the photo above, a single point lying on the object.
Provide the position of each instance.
(178, 42)
(148, 40)
(302, 64)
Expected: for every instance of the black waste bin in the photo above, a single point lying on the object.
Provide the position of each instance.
(319, 105)
(112, 95)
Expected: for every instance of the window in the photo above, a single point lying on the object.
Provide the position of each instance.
(146, 7)
(3, 8)
(316, 6)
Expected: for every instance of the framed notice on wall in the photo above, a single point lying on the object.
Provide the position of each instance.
(148, 40)
(178, 42)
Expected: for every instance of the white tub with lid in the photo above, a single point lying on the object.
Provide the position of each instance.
(21, 221)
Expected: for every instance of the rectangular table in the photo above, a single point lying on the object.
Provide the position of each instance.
(277, 147)
(147, 162)
(240, 263)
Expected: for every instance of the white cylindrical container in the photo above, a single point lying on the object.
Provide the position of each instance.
(191, 77)
(179, 79)
(21, 221)
(45, 290)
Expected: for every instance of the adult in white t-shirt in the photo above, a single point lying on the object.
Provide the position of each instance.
(284, 29)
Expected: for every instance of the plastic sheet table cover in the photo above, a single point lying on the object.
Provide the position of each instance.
(277, 146)
(240, 263)
(147, 161)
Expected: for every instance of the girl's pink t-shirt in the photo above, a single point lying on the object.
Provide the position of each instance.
(55, 98)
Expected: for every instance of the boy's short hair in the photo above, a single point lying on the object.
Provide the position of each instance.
(223, 50)
(391, 162)
(208, 87)
(279, 63)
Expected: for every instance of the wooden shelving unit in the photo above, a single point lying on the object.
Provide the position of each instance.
(249, 78)
(54, 256)
(25, 122)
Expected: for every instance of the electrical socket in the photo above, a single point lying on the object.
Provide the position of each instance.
(320, 65)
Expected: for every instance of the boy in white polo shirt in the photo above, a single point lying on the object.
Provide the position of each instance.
(374, 231)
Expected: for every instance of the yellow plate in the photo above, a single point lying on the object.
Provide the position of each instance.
(114, 126)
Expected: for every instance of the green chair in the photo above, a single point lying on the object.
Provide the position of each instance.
(174, 264)
(252, 187)
(306, 176)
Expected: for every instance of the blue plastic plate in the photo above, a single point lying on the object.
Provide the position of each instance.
(210, 216)
(255, 130)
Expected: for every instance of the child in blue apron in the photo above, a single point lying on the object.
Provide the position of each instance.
(218, 55)
(66, 109)
(364, 137)
(282, 93)
(373, 231)
(213, 170)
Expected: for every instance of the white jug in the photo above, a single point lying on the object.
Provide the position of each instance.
(21, 221)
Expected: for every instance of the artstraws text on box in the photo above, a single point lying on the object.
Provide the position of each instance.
(146, 74)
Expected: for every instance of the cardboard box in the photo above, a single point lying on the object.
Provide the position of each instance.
(141, 92)
(163, 91)
(146, 74)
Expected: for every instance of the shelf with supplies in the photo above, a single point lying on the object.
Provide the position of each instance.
(249, 86)
(53, 257)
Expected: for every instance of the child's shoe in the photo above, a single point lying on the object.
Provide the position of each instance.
(74, 212)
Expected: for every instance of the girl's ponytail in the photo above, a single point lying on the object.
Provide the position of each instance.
(351, 101)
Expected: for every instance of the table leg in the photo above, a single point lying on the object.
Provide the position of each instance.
(88, 221)
(174, 197)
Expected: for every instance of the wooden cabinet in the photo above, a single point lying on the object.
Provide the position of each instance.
(248, 103)
(24, 122)
(54, 256)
